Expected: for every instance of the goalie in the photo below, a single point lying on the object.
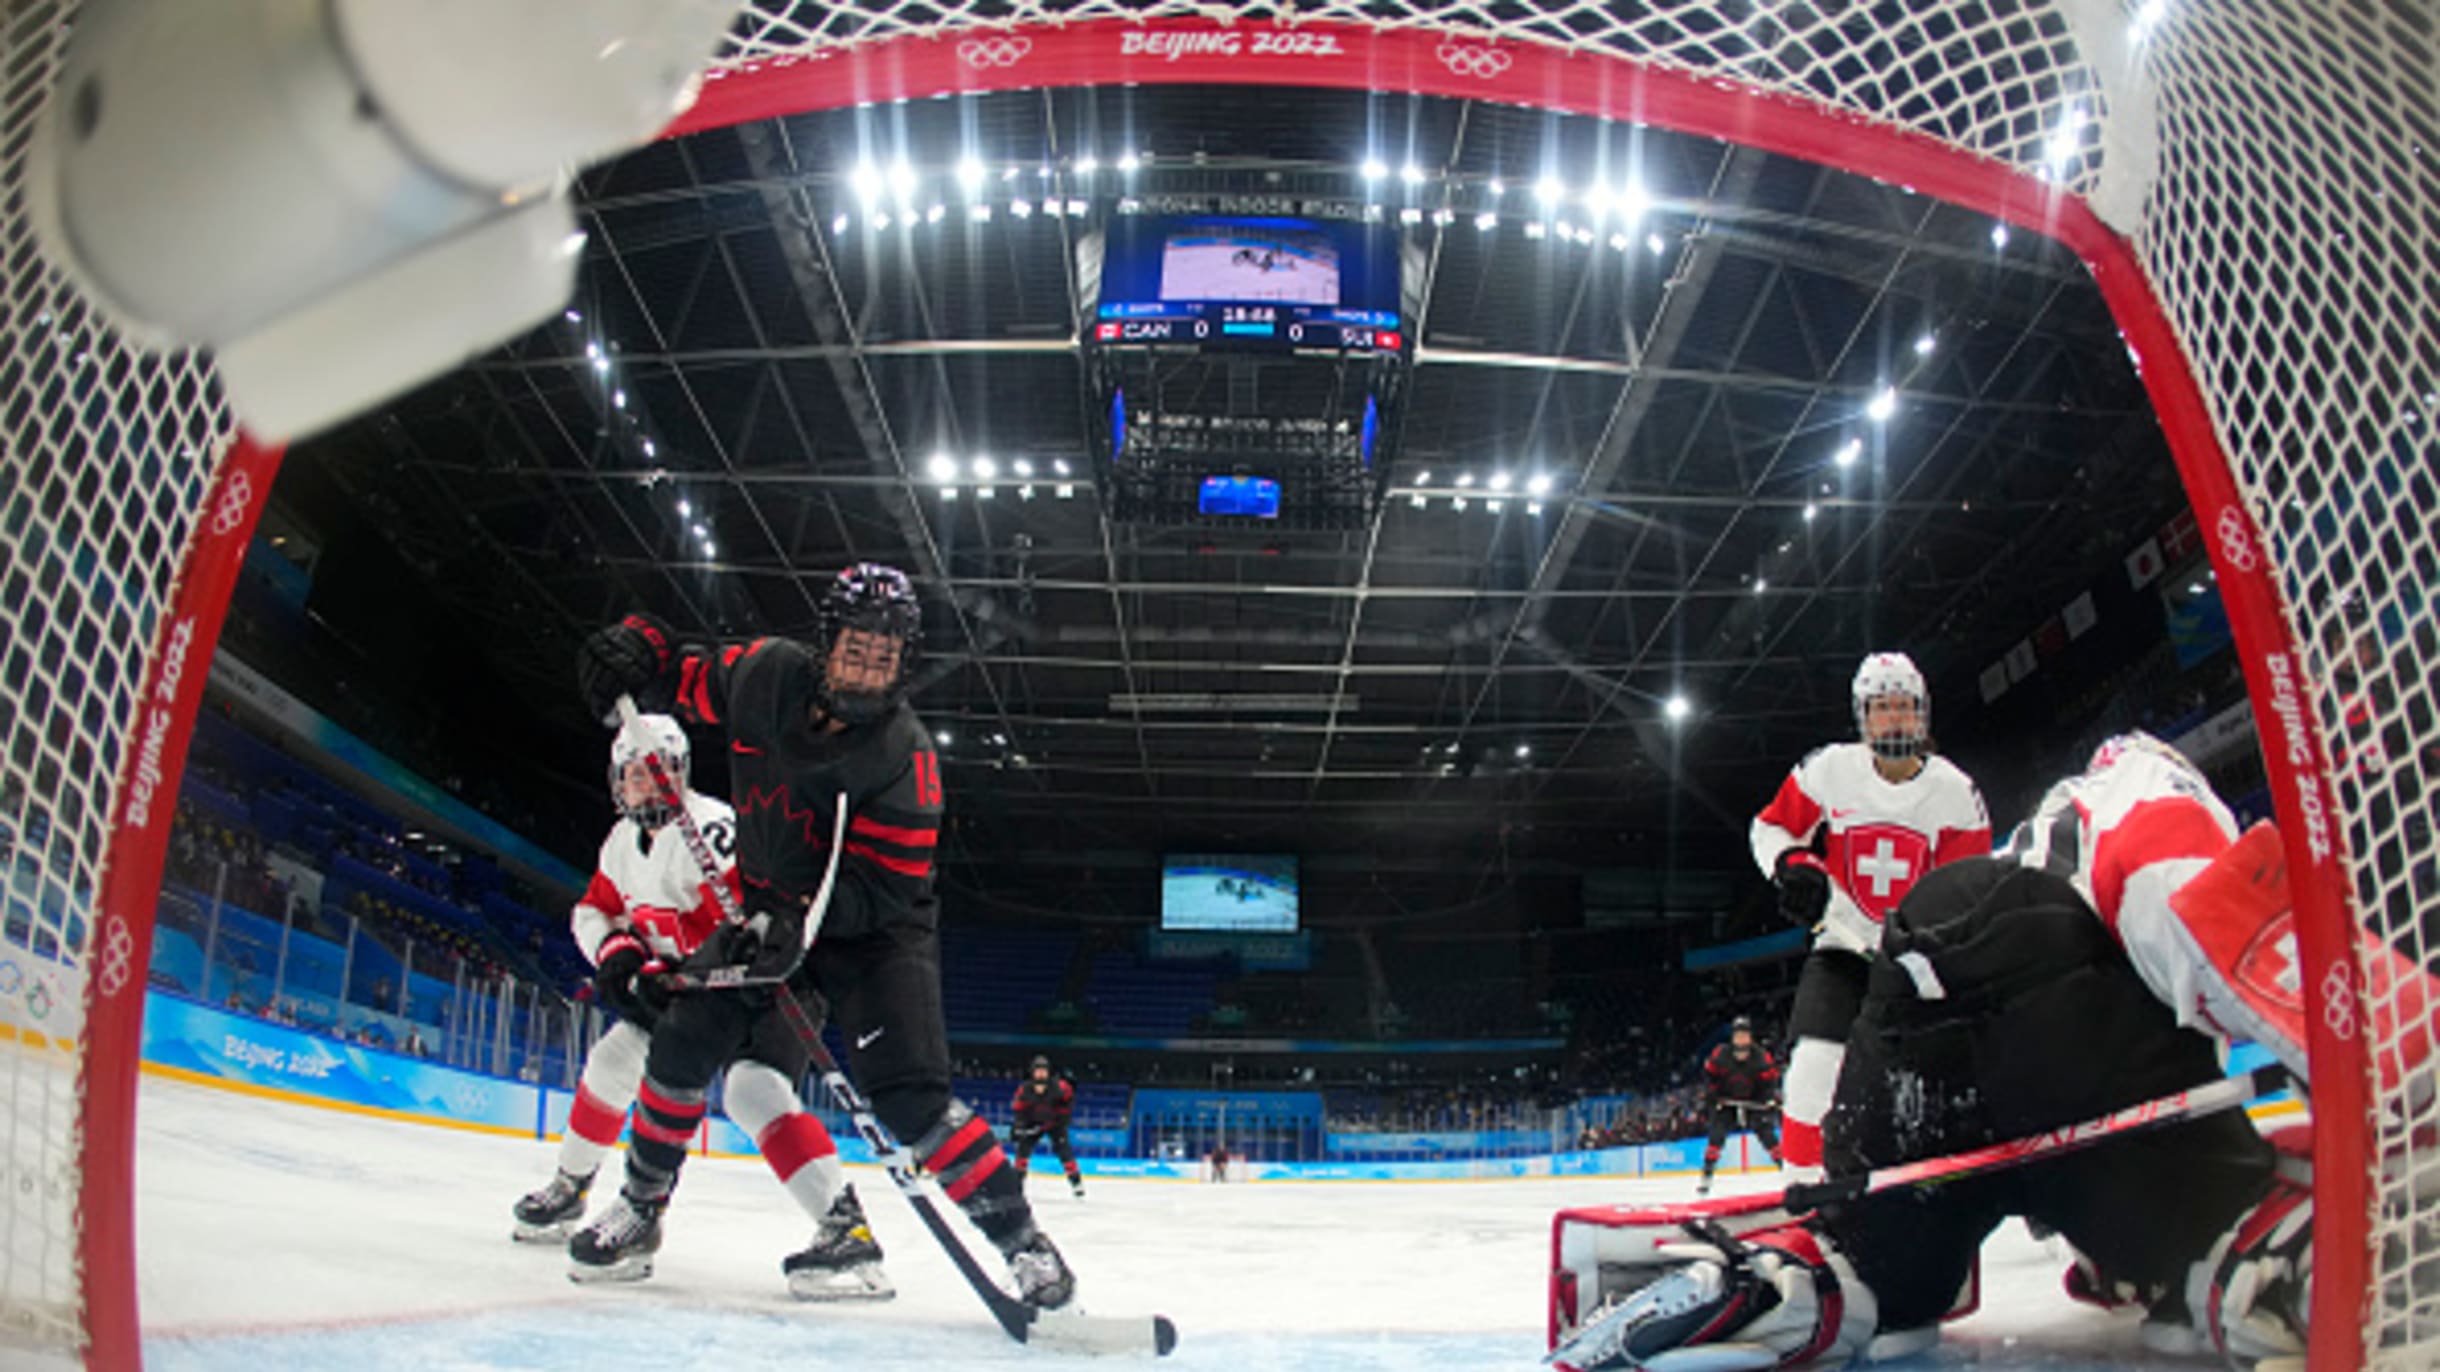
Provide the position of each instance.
(2087, 968)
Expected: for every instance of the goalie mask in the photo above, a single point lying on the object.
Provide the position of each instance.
(872, 624)
(1901, 733)
(632, 788)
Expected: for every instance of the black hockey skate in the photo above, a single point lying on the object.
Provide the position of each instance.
(546, 1216)
(1043, 1279)
(843, 1263)
(618, 1246)
(1076, 1187)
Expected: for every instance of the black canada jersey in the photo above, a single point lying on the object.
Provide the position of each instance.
(786, 772)
(1742, 1074)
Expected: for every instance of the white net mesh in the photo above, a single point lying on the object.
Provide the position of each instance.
(2272, 160)
(106, 460)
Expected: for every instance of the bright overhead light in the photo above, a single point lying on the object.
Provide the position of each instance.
(970, 174)
(1493, 506)
(943, 737)
(1022, 209)
(1076, 209)
(1811, 511)
(1373, 170)
(1533, 507)
(1059, 465)
(592, 349)
(1678, 707)
(701, 532)
(1597, 201)
(1416, 501)
(986, 492)
(1656, 244)
(1486, 221)
(1549, 190)
(601, 364)
(881, 221)
(1128, 162)
(1066, 490)
(649, 450)
(1540, 485)
(1010, 174)
(1087, 165)
(902, 180)
(1499, 481)
(1022, 467)
(710, 549)
(1999, 235)
(985, 469)
(839, 223)
(1534, 229)
(1883, 404)
(1411, 174)
(1423, 478)
(1410, 215)
(932, 215)
(978, 214)
(573, 317)
(619, 399)
(1760, 585)
(1925, 344)
(1633, 201)
(942, 467)
(1444, 216)
(1618, 241)
(867, 181)
(685, 509)
(1524, 750)
(1848, 452)
(2147, 19)
(1464, 479)
(1496, 186)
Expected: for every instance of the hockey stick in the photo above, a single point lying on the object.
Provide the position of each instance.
(2227, 1093)
(1076, 1333)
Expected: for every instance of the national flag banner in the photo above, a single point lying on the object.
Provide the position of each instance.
(2051, 639)
(2080, 615)
(2180, 537)
(1994, 681)
(2021, 660)
(2144, 565)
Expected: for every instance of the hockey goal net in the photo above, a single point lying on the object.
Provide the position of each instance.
(2255, 185)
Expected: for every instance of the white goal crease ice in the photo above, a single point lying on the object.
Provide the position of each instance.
(2255, 185)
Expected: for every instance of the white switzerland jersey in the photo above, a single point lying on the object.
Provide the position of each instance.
(1881, 835)
(656, 892)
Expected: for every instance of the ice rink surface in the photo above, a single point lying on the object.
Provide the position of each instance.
(278, 1236)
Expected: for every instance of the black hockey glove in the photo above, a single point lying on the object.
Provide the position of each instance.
(618, 979)
(767, 948)
(1804, 887)
(631, 657)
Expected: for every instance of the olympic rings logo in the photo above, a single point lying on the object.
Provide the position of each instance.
(2338, 1002)
(1004, 51)
(1480, 63)
(118, 955)
(2236, 543)
(234, 501)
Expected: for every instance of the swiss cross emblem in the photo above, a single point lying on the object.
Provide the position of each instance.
(1882, 862)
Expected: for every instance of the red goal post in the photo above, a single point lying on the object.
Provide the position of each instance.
(2252, 184)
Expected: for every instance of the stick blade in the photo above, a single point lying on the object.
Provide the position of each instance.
(1102, 1335)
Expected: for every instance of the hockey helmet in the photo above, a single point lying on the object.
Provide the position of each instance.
(1893, 674)
(1041, 1064)
(878, 600)
(1742, 1024)
(655, 736)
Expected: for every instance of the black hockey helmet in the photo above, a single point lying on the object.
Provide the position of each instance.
(1040, 1064)
(879, 600)
(1742, 1024)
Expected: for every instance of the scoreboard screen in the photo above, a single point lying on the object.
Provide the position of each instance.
(1224, 281)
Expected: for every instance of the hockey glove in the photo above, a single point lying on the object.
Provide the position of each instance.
(1784, 1297)
(766, 949)
(1804, 887)
(631, 657)
(616, 978)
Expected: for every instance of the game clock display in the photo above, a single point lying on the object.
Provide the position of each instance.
(1252, 283)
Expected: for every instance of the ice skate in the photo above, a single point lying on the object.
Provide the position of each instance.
(1042, 1276)
(843, 1263)
(618, 1246)
(547, 1215)
(1076, 1187)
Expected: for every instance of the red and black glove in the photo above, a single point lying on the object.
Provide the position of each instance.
(633, 657)
(1804, 887)
(622, 979)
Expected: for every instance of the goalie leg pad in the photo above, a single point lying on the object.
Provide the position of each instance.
(1784, 1297)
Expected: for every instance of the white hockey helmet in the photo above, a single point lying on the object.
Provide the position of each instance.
(656, 736)
(1893, 674)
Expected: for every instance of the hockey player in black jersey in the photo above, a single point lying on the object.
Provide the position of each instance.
(809, 723)
(1744, 1081)
(1043, 1105)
